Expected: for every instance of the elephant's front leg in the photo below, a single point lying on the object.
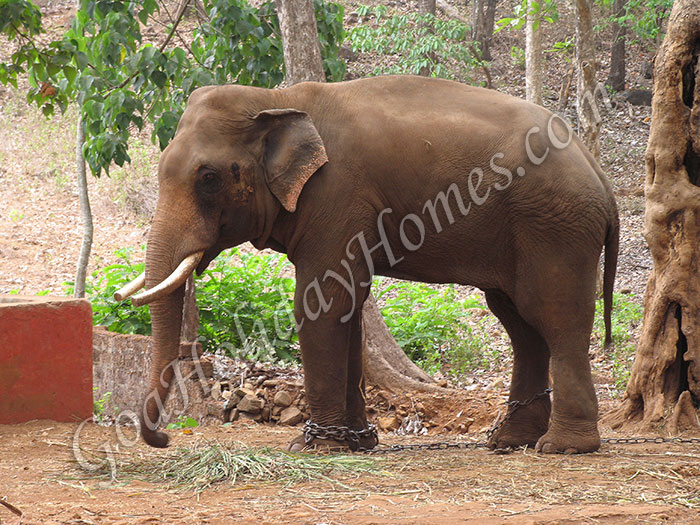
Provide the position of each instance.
(331, 349)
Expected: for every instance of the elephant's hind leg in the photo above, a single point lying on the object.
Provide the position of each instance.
(525, 424)
(563, 315)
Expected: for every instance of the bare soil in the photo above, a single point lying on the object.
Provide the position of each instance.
(640, 484)
(39, 244)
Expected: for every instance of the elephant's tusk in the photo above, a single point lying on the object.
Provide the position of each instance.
(170, 283)
(130, 289)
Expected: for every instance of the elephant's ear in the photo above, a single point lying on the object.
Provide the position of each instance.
(293, 151)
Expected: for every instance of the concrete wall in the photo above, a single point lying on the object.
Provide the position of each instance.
(45, 358)
(121, 375)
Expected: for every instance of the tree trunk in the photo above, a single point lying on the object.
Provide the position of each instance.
(665, 378)
(588, 115)
(533, 60)
(426, 7)
(482, 25)
(386, 365)
(302, 52)
(616, 78)
(190, 313)
(85, 212)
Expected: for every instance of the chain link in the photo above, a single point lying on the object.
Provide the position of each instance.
(513, 406)
(338, 433)
(439, 445)
(640, 440)
(346, 434)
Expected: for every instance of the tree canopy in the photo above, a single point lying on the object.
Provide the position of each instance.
(121, 80)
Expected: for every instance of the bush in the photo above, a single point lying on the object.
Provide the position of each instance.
(417, 43)
(626, 316)
(122, 317)
(246, 308)
(430, 325)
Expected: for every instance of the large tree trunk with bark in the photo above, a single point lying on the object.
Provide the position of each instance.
(302, 53)
(616, 78)
(664, 385)
(482, 25)
(386, 365)
(533, 59)
(586, 109)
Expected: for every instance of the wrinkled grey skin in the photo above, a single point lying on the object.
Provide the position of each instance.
(304, 170)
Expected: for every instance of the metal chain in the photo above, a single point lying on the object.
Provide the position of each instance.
(338, 433)
(640, 440)
(342, 433)
(513, 406)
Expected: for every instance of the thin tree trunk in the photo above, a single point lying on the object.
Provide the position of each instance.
(482, 25)
(190, 313)
(302, 53)
(616, 78)
(533, 60)
(565, 89)
(426, 7)
(85, 212)
(587, 112)
(664, 384)
(386, 365)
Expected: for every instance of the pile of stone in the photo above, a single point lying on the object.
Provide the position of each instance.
(241, 390)
(274, 401)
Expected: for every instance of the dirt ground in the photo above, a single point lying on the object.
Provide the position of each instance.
(39, 243)
(620, 484)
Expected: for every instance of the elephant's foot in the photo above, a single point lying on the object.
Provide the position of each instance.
(299, 444)
(523, 427)
(578, 439)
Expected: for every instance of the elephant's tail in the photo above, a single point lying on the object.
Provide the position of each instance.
(612, 243)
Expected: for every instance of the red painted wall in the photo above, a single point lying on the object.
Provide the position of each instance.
(45, 359)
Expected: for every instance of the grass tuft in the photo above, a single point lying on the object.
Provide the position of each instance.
(207, 463)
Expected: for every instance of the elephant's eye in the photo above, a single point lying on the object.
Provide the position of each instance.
(236, 171)
(209, 181)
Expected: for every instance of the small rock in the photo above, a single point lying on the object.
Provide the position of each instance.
(250, 417)
(265, 413)
(388, 423)
(251, 404)
(216, 391)
(233, 416)
(271, 382)
(442, 383)
(347, 53)
(276, 411)
(242, 392)
(497, 384)
(291, 416)
(282, 399)
(226, 394)
(216, 410)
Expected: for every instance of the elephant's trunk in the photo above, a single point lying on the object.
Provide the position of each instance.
(166, 318)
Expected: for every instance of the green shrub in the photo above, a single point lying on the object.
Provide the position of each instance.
(626, 316)
(430, 326)
(417, 42)
(122, 317)
(249, 306)
(246, 308)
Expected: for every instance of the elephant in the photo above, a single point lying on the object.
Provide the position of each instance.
(407, 177)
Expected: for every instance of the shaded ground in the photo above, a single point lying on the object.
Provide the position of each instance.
(619, 484)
